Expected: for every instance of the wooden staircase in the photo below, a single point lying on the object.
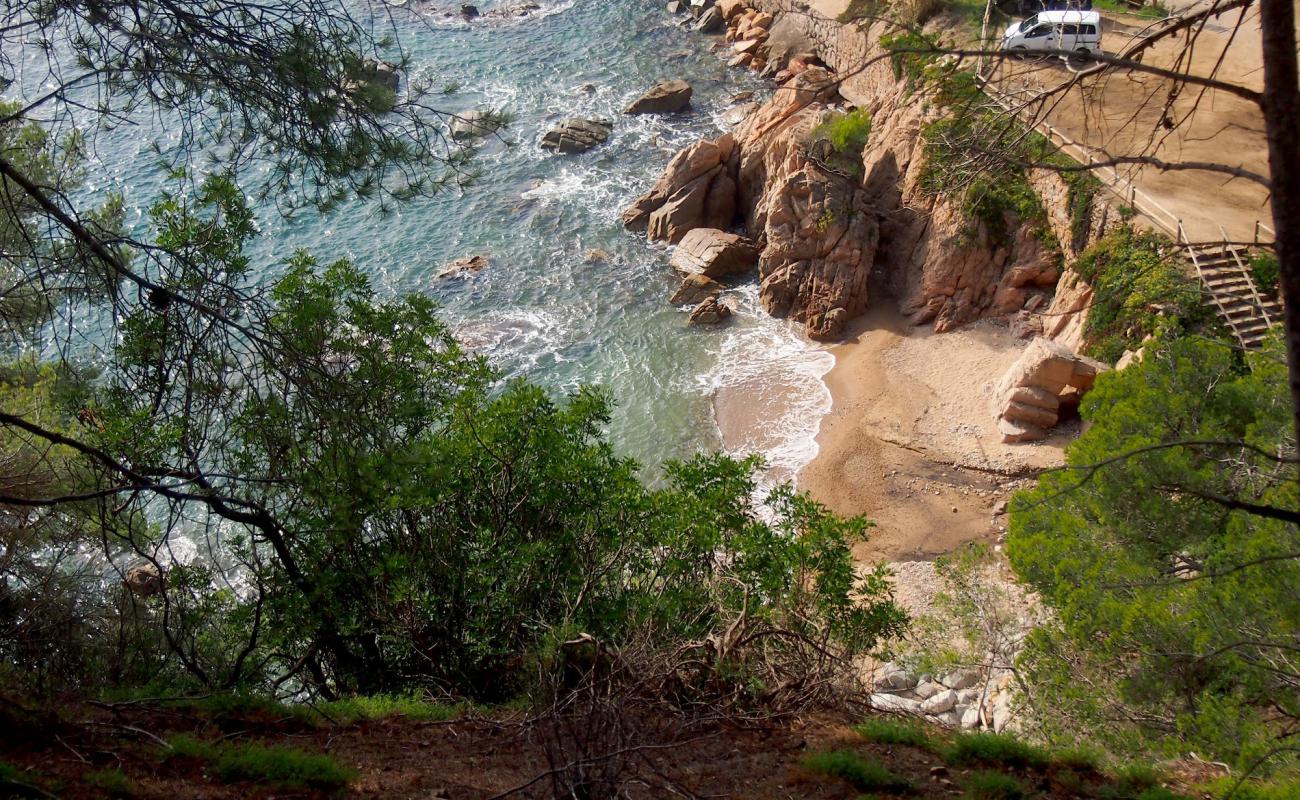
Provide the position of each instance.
(1224, 272)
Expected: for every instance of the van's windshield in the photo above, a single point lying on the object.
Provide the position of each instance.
(1029, 23)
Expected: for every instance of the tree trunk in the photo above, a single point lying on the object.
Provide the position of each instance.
(1282, 125)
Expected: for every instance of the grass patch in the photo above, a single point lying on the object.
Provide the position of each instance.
(1287, 788)
(1084, 758)
(111, 782)
(990, 785)
(863, 774)
(273, 765)
(348, 710)
(994, 748)
(1154, 10)
(885, 730)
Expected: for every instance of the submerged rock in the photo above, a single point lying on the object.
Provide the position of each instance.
(666, 97)
(462, 267)
(577, 135)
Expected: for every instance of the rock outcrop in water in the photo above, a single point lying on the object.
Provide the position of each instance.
(697, 190)
(713, 253)
(577, 135)
(666, 97)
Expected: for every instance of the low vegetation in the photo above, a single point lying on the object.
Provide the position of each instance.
(990, 785)
(1140, 289)
(847, 133)
(860, 771)
(994, 748)
(891, 730)
(267, 765)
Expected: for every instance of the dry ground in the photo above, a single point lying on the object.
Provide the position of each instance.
(482, 756)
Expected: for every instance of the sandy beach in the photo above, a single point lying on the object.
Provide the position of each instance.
(910, 441)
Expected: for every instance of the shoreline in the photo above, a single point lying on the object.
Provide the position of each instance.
(907, 439)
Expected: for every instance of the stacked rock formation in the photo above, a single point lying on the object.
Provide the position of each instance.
(1027, 400)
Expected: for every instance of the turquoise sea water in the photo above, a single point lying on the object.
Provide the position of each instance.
(548, 307)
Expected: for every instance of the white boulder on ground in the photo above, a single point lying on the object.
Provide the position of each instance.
(666, 97)
(1027, 400)
(714, 253)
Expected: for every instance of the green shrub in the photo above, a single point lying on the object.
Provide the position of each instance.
(284, 767)
(348, 710)
(1266, 272)
(186, 746)
(111, 782)
(990, 785)
(887, 730)
(846, 131)
(862, 773)
(1140, 288)
(994, 748)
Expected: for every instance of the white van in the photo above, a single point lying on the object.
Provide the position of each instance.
(1071, 31)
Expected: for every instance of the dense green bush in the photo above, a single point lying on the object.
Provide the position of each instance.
(1140, 288)
(1167, 550)
(847, 133)
(1266, 273)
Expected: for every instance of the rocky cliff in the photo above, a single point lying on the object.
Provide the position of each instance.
(829, 238)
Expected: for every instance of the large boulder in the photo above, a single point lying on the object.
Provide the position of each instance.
(711, 21)
(731, 8)
(713, 253)
(577, 135)
(380, 73)
(696, 190)
(665, 97)
(1028, 398)
(144, 580)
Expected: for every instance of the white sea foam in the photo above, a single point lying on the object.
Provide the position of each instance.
(782, 372)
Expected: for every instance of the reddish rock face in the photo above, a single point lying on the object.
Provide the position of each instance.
(663, 98)
(714, 253)
(695, 289)
(696, 190)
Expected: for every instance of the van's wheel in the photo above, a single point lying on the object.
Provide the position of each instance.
(1019, 51)
(1080, 58)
